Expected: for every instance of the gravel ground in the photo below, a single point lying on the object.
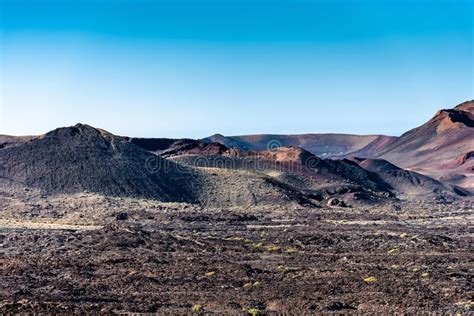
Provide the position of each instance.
(87, 253)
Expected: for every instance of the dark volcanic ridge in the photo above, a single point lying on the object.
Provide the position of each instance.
(167, 147)
(83, 158)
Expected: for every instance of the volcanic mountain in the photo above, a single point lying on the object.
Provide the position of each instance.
(324, 177)
(82, 158)
(441, 148)
(321, 145)
(292, 160)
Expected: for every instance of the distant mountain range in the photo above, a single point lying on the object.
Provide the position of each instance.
(442, 148)
(433, 161)
(322, 145)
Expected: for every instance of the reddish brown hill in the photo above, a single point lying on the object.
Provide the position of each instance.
(462, 160)
(374, 147)
(322, 145)
(437, 147)
(326, 177)
(297, 167)
(280, 154)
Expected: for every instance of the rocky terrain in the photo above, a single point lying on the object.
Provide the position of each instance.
(88, 253)
(95, 222)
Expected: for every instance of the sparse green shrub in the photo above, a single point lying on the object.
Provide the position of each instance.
(197, 308)
(272, 248)
(247, 286)
(254, 311)
(394, 251)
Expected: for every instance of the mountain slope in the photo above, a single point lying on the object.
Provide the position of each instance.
(322, 145)
(434, 147)
(297, 168)
(79, 158)
(10, 141)
(408, 183)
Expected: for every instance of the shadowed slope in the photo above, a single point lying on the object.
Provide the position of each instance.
(406, 182)
(78, 158)
(167, 147)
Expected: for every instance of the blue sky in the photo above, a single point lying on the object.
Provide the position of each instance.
(191, 68)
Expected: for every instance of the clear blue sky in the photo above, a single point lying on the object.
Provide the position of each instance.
(191, 68)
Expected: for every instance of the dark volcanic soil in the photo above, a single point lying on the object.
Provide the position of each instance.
(147, 256)
(82, 158)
